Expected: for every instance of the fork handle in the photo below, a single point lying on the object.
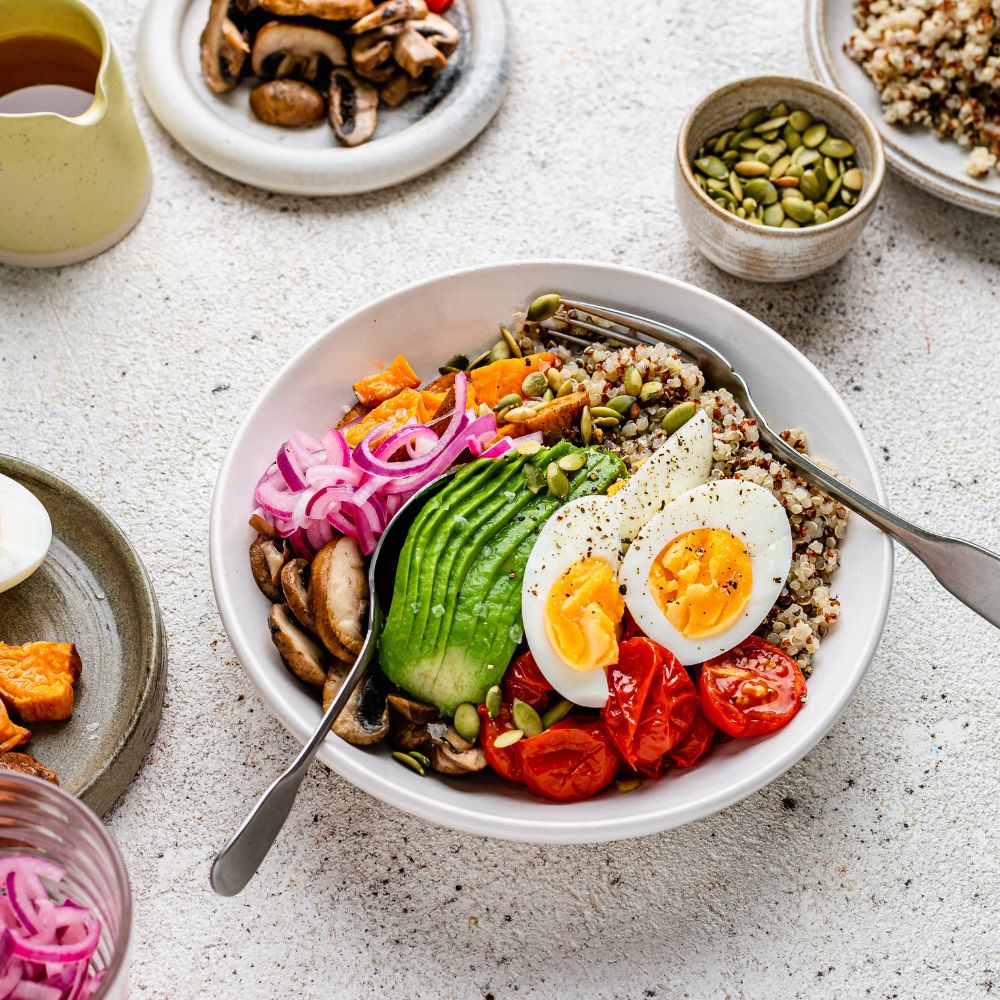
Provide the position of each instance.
(969, 572)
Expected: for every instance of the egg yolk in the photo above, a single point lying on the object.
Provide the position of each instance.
(701, 581)
(582, 614)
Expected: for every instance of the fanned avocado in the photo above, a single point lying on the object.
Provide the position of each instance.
(455, 617)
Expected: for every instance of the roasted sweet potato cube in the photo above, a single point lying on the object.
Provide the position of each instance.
(555, 421)
(377, 388)
(36, 680)
(11, 734)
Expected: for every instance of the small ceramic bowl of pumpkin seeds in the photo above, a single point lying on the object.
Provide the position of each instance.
(776, 177)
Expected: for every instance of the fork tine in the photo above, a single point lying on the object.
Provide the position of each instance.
(637, 324)
(598, 331)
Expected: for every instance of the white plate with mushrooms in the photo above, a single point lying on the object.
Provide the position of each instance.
(363, 97)
(463, 308)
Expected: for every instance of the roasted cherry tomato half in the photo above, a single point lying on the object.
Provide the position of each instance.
(572, 760)
(651, 705)
(506, 761)
(752, 690)
(523, 680)
(693, 746)
(439, 6)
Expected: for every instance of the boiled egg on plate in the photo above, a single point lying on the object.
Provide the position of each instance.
(683, 462)
(25, 533)
(571, 603)
(704, 572)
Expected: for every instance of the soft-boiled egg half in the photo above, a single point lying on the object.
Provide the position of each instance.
(704, 572)
(571, 602)
(25, 533)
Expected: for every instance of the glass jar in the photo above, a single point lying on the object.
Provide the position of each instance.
(37, 817)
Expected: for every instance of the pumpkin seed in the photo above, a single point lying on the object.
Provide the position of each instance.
(808, 157)
(500, 352)
(800, 120)
(837, 148)
(790, 224)
(712, 166)
(526, 718)
(749, 204)
(458, 363)
(774, 215)
(515, 349)
(779, 109)
(467, 722)
(736, 187)
(621, 404)
(830, 168)
(528, 448)
(572, 463)
(752, 118)
(799, 210)
(544, 307)
(494, 700)
(771, 125)
(411, 762)
(604, 411)
(627, 784)
(730, 156)
(725, 198)
(518, 414)
(481, 360)
(632, 380)
(815, 134)
(810, 185)
(508, 739)
(771, 152)
(714, 186)
(819, 217)
(796, 170)
(837, 211)
(586, 425)
(420, 758)
(762, 191)
(780, 166)
(566, 388)
(752, 168)
(678, 416)
(848, 198)
(720, 145)
(787, 182)
(853, 179)
(555, 379)
(833, 190)
(752, 144)
(739, 137)
(557, 482)
(600, 422)
(557, 713)
(650, 391)
(534, 478)
(534, 384)
(511, 399)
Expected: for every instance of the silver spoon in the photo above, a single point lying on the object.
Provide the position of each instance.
(969, 572)
(239, 860)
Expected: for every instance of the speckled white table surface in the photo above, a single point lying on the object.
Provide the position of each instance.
(869, 869)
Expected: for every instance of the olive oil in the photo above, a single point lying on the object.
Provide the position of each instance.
(45, 73)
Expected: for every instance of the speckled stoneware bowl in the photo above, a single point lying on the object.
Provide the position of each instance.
(762, 253)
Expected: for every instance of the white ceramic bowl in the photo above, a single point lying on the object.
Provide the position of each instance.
(457, 313)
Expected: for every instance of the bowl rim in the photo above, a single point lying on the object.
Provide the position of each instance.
(864, 123)
(538, 829)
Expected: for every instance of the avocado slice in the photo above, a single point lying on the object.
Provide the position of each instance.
(455, 617)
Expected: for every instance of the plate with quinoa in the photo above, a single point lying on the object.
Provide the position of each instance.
(928, 74)
(613, 612)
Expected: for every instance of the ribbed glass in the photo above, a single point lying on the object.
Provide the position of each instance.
(38, 818)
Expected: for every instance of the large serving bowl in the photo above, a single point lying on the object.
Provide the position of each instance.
(458, 313)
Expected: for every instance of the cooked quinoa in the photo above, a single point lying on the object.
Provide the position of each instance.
(936, 63)
(805, 609)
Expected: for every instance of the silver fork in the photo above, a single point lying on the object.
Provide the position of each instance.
(969, 572)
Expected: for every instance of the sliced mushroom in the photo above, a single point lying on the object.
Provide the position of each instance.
(353, 108)
(441, 33)
(295, 589)
(224, 50)
(389, 13)
(395, 90)
(295, 50)
(411, 709)
(365, 718)
(326, 10)
(371, 57)
(338, 597)
(267, 557)
(415, 54)
(307, 659)
(262, 527)
(289, 103)
(447, 760)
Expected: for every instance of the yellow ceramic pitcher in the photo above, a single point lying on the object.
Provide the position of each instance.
(70, 187)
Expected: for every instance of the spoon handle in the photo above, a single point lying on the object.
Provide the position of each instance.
(969, 572)
(239, 860)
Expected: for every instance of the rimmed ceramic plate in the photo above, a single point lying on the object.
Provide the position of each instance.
(936, 165)
(221, 131)
(92, 590)
(463, 309)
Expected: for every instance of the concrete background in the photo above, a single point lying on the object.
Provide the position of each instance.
(870, 869)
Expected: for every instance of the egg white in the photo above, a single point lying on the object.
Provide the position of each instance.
(587, 527)
(747, 511)
(25, 533)
(683, 462)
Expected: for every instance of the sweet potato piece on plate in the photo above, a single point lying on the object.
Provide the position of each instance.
(492, 382)
(11, 734)
(554, 421)
(377, 388)
(36, 679)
